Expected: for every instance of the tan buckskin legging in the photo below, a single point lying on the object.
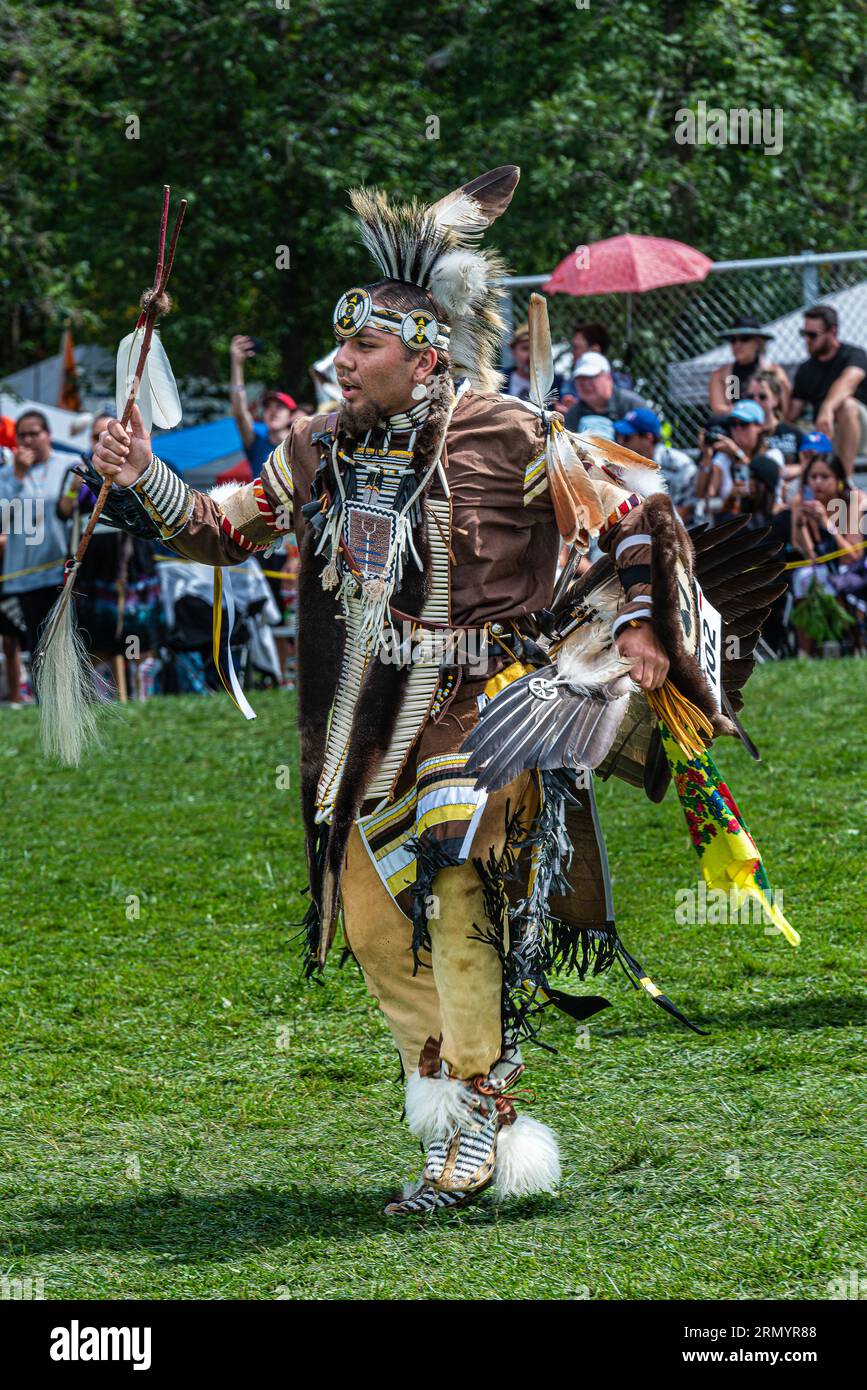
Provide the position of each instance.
(461, 996)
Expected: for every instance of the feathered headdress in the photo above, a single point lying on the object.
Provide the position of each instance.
(437, 248)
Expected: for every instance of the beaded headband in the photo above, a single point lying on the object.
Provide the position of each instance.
(417, 328)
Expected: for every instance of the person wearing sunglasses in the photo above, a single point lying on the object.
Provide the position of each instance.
(731, 382)
(832, 383)
(766, 391)
(780, 440)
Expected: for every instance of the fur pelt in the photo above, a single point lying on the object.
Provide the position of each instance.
(528, 1156)
(319, 651)
(669, 541)
(223, 491)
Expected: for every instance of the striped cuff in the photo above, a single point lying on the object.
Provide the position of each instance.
(639, 608)
(623, 509)
(242, 541)
(276, 487)
(276, 521)
(639, 538)
(167, 501)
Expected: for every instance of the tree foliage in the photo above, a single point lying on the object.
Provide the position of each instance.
(263, 113)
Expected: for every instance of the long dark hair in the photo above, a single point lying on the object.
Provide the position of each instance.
(835, 466)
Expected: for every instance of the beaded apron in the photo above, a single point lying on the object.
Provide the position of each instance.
(369, 531)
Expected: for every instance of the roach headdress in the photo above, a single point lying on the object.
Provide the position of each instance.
(437, 248)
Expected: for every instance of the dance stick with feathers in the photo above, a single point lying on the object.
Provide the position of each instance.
(65, 680)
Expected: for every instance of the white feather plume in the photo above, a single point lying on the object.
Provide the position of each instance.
(459, 281)
(640, 480)
(462, 214)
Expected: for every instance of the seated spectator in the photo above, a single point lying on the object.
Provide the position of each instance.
(708, 476)
(810, 446)
(813, 445)
(641, 431)
(831, 383)
(590, 337)
(826, 515)
(810, 525)
(828, 494)
(518, 379)
(730, 383)
(727, 442)
(259, 437)
(754, 491)
(597, 392)
(767, 391)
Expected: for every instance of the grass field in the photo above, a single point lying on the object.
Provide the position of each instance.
(183, 1118)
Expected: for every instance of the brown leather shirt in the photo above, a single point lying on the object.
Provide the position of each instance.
(505, 552)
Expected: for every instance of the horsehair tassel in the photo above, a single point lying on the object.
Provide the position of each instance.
(685, 721)
(62, 672)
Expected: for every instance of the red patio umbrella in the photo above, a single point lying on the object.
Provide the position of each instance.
(627, 265)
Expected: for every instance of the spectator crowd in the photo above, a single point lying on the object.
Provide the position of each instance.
(144, 615)
(781, 452)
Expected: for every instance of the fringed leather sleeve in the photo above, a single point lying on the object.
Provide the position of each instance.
(228, 524)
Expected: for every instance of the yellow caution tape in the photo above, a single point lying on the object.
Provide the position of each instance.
(34, 569)
(823, 559)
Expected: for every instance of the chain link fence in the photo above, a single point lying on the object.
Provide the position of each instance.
(668, 339)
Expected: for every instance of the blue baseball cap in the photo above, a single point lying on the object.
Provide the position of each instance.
(816, 442)
(598, 425)
(747, 413)
(639, 421)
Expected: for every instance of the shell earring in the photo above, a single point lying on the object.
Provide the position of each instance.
(419, 391)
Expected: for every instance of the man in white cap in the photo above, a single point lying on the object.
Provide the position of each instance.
(597, 392)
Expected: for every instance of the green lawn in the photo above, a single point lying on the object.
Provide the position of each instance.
(182, 1117)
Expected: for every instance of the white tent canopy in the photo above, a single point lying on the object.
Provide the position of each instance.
(42, 380)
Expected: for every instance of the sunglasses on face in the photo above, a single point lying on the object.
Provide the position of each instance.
(743, 338)
(810, 333)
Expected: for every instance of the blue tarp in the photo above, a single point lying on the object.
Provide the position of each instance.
(216, 445)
